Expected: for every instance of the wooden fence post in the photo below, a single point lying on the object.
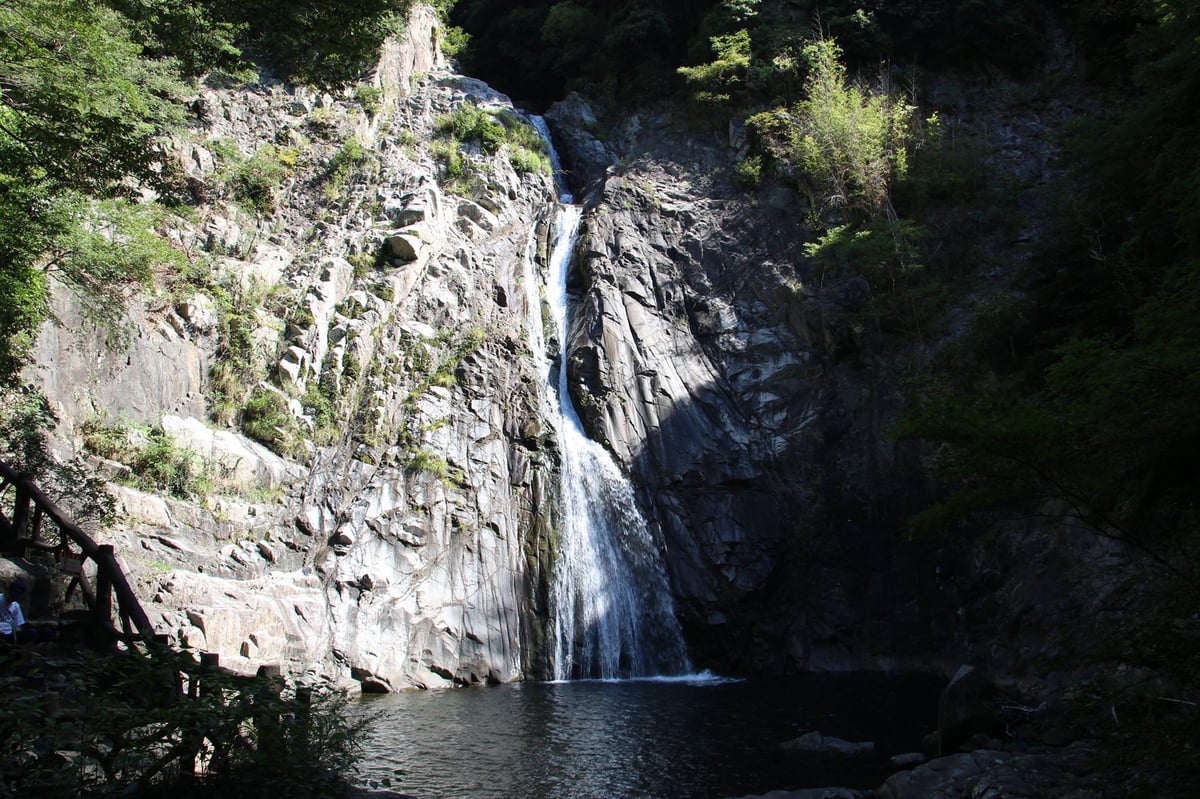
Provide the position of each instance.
(104, 564)
(20, 517)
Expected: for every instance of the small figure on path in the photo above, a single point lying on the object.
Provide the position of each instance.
(12, 620)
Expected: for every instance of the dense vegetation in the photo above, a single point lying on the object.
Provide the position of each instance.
(630, 49)
(1077, 385)
(89, 725)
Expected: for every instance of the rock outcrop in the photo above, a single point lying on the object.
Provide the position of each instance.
(400, 540)
(729, 379)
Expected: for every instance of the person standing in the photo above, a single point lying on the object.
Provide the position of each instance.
(12, 619)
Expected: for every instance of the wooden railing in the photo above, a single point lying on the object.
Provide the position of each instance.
(23, 530)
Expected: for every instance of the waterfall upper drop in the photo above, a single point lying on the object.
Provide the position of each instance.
(613, 615)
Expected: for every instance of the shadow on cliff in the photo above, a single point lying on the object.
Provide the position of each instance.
(795, 556)
(760, 451)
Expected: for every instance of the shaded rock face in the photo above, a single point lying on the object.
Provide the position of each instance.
(728, 378)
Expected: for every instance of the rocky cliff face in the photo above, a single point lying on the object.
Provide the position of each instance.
(751, 398)
(396, 543)
(404, 536)
(728, 380)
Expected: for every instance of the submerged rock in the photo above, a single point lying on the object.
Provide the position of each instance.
(827, 746)
(812, 793)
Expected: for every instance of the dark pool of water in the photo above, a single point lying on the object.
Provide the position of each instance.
(689, 739)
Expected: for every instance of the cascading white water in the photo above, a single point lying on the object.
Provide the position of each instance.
(612, 610)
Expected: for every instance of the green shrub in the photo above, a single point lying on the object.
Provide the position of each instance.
(349, 158)
(472, 124)
(717, 82)
(454, 162)
(266, 419)
(254, 181)
(362, 263)
(524, 160)
(323, 121)
(155, 459)
(320, 403)
(429, 462)
(454, 40)
(369, 97)
(238, 363)
(748, 171)
(130, 731)
(25, 419)
(491, 131)
(166, 465)
(852, 141)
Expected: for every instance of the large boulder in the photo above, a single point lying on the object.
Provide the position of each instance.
(965, 709)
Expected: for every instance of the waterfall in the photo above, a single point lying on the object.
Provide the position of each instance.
(611, 605)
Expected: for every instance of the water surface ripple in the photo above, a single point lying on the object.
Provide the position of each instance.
(676, 739)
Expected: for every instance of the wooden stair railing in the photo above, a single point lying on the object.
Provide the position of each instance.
(22, 531)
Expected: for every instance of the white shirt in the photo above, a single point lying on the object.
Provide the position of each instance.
(11, 617)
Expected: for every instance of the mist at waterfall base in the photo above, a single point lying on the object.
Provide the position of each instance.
(680, 738)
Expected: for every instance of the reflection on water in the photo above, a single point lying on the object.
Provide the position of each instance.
(672, 738)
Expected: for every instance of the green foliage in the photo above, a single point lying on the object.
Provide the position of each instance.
(350, 157)
(81, 103)
(457, 165)
(321, 42)
(885, 252)
(541, 49)
(238, 363)
(427, 461)
(130, 731)
(850, 140)
(716, 82)
(1109, 434)
(254, 181)
(573, 32)
(903, 296)
(111, 246)
(749, 171)
(369, 97)
(454, 41)
(362, 263)
(470, 124)
(25, 417)
(320, 402)
(189, 31)
(1084, 393)
(155, 459)
(267, 419)
(81, 112)
(31, 221)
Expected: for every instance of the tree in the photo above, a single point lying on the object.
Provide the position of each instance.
(717, 82)
(850, 140)
(81, 110)
(80, 104)
(323, 42)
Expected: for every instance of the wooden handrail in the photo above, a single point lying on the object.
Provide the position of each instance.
(110, 579)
